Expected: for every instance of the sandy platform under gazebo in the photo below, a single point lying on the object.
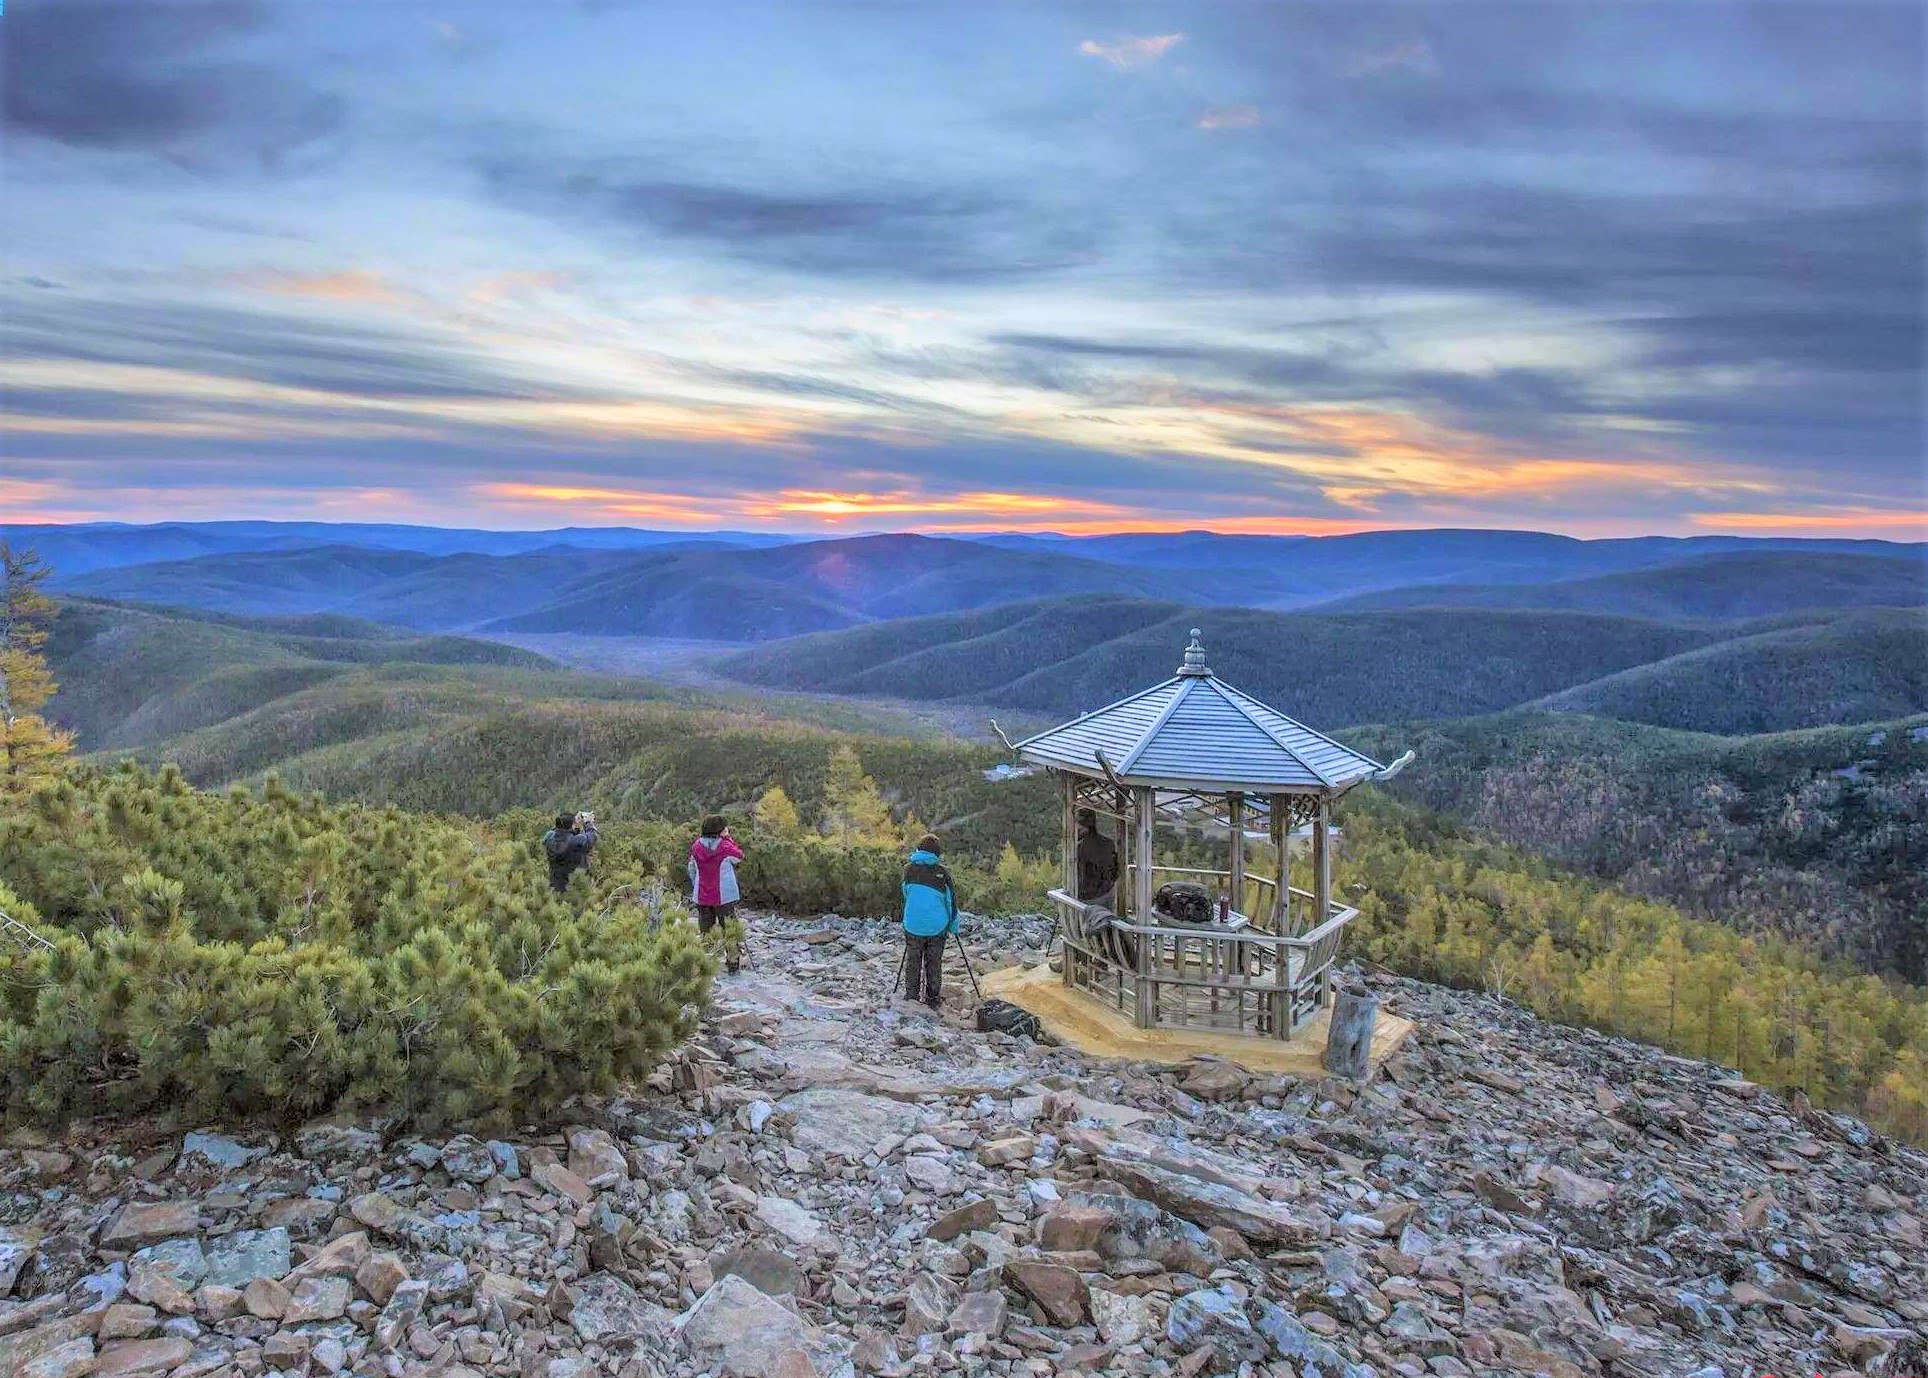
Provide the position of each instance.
(1100, 1031)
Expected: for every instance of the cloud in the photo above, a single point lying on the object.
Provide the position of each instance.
(358, 285)
(1230, 117)
(1129, 54)
(900, 508)
(279, 349)
(517, 283)
(914, 233)
(1414, 56)
(125, 75)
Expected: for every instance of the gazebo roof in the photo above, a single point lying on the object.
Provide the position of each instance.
(1197, 731)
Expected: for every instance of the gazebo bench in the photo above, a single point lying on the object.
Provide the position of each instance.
(1203, 976)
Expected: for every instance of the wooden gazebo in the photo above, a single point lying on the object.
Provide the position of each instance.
(1198, 753)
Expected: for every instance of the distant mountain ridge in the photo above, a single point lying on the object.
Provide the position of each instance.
(704, 594)
(733, 587)
(86, 546)
(1725, 584)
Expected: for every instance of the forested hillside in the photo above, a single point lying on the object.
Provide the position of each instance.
(1817, 836)
(1058, 657)
(1857, 667)
(130, 676)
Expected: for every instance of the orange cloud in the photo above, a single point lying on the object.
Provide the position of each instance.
(838, 506)
(352, 285)
(999, 510)
(1359, 455)
(489, 290)
(1230, 117)
(1126, 54)
(41, 500)
(610, 502)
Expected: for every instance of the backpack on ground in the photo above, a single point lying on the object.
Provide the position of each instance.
(1001, 1016)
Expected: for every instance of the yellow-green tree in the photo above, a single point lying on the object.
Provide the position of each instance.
(775, 813)
(853, 809)
(33, 746)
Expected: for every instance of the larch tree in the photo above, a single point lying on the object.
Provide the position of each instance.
(33, 746)
(853, 809)
(775, 813)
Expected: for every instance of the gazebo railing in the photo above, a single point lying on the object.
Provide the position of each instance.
(1229, 979)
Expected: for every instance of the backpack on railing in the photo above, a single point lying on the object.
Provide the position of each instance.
(1183, 901)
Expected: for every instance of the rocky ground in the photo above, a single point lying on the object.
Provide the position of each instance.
(829, 1183)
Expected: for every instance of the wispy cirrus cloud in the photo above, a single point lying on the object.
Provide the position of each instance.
(1231, 117)
(1129, 54)
(352, 285)
(1414, 55)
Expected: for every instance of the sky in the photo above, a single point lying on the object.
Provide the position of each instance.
(1604, 269)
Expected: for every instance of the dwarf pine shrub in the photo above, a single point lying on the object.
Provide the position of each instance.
(270, 953)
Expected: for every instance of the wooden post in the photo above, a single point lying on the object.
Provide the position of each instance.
(1235, 811)
(1070, 782)
(1282, 841)
(1321, 863)
(1348, 1050)
(1070, 832)
(1146, 802)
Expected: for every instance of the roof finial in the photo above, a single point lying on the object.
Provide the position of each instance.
(1195, 658)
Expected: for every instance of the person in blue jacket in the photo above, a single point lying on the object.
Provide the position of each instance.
(930, 917)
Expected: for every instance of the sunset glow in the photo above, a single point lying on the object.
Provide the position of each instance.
(1294, 267)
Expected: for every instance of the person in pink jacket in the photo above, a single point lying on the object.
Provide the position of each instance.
(713, 889)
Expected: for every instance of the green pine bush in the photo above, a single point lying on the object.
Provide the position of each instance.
(268, 953)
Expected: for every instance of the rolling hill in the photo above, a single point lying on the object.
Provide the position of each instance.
(1820, 836)
(1063, 656)
(1729, 585)
(1855, 667)
(132, 676)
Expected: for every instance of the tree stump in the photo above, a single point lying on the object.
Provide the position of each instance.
(1348, 1051)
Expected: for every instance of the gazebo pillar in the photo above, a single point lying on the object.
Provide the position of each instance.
(1322, 862)
(1282, 844)
(1144, 815)
(1070, 783)
(1235, 812)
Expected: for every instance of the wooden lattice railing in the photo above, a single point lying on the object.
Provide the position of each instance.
(1230, 978)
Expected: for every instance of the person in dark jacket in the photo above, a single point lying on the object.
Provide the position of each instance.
(567, 845)
(1097, 861)
(930, 917)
